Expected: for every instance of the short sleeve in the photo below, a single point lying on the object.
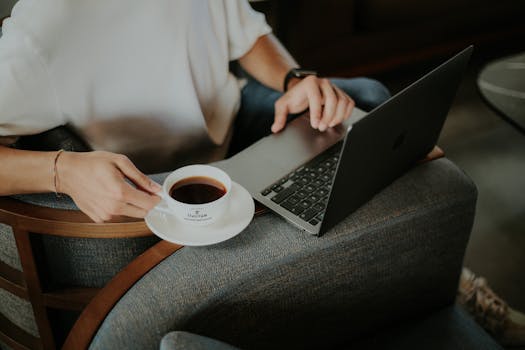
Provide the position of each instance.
(28, 104)
(245, 26)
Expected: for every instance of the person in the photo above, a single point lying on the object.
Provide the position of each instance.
(148, 87)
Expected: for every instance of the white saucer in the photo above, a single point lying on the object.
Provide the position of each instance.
(238, 215)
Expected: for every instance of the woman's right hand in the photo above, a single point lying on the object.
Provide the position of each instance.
(97, 183)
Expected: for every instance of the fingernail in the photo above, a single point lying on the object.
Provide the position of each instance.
(322, 127)
(155, 186)
(315, 124)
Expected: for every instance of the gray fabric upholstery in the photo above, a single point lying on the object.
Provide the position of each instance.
(189, 341)
(3, 346)
(450, 328)
(18, 311)
(77, 262)
(8, 252)
(274, 286)
(49, 200)
(88, 262)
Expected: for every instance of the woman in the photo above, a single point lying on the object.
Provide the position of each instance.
(145, 83)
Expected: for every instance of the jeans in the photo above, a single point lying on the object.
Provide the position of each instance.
(256, 114)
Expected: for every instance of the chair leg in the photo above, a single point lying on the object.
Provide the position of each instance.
(25, 251)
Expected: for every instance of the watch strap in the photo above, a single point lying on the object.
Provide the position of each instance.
(296, 73)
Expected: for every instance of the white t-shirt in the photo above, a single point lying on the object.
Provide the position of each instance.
(147, 78)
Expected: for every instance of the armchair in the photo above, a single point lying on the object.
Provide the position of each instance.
(53, 260)
(387, 275)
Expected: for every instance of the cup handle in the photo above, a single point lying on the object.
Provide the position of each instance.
(163, 205)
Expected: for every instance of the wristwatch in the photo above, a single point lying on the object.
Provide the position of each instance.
(297, 73)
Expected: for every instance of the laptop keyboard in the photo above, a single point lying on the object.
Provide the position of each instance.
(304, 192)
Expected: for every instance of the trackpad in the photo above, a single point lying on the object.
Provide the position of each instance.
(276, 155)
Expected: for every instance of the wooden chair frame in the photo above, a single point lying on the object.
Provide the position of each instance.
(94, 314)
(96, 311)
(27, 220)
(99, 307)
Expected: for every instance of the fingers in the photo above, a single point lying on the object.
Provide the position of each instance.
(100, 188)
(344, 108)
(315, 102)
(305, 94)
(130, 202)
(139, 198)
(281, 113)
(93, 213)
(331, 103)
(135, 175)
(141, 201)
(328, 105)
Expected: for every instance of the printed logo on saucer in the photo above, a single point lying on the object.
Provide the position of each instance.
(197, 215)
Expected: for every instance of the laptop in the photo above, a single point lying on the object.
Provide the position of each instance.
(314, 180)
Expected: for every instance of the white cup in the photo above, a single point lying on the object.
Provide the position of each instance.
(195, 214)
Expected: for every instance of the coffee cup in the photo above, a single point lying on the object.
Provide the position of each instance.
(196, 194)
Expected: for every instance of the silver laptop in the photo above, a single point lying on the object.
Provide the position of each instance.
(314, 180)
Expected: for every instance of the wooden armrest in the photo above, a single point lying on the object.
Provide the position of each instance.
(94, 314)
(26, 219)
(66, 223)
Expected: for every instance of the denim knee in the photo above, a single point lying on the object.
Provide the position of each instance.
(367, 93)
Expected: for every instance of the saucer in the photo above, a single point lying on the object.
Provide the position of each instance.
(235, 219)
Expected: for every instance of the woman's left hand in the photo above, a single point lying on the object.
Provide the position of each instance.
(328, 105)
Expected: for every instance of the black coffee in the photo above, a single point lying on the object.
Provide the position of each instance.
(197, 190)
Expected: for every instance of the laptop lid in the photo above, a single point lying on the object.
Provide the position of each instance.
(385, 144)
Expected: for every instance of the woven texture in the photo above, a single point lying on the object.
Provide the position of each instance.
(8, 252)
(450, 328)
(89, 262)
(397, 256)
(189, 341)
(3, 346)
(18, 311)
(81, 262)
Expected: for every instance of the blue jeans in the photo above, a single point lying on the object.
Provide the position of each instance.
(256, 114)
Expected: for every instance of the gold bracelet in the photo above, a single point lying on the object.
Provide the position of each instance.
(55, 172)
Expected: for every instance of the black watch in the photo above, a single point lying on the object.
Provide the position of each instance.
(296, 73)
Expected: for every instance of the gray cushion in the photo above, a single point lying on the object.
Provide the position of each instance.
(274, 286)
(82, 262)
(189, 341)
(450, 328)
(76, 261)
(18, 311)
(8, 252)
